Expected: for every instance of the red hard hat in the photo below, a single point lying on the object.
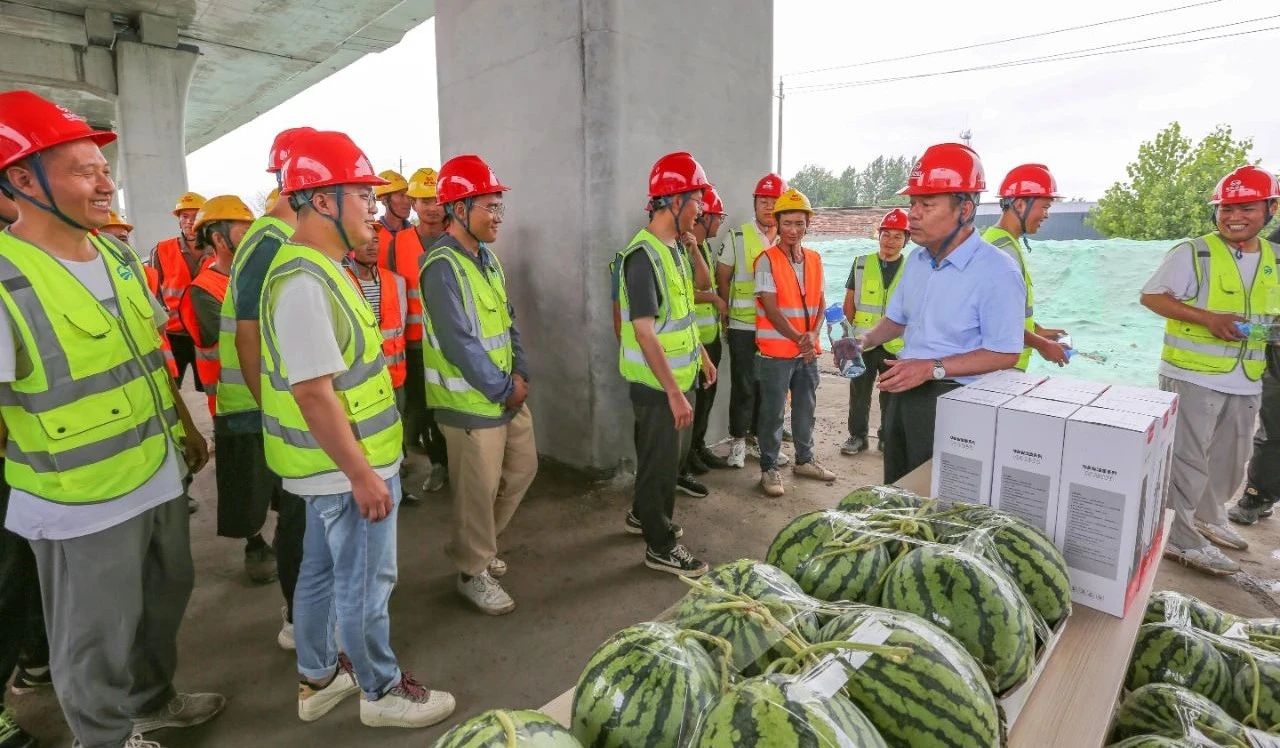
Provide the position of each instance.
(1246, 184)
(30, 124)
(770, 185)
(712, 205)
(1029, 180)
(946, 168)
(325, 158)
(895, 219)
(466, 176)
(280, 147)
(675, 173)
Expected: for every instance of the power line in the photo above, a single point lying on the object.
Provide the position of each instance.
(1001, 41)
(1059, 57)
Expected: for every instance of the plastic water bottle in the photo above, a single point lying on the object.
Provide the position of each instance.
(1065, 341)
(838, 328)
(1261, 332)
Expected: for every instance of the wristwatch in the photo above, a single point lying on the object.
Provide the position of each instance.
(939, 371)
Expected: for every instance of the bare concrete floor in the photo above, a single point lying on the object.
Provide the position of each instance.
(576, 578)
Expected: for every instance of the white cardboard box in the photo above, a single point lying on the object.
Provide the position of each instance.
(1072, 383)
(1030, 434)
(1106, 472)
(1142, 393)
(1063, 389)
(964, 441)
(1009, 382)
(1165, 411)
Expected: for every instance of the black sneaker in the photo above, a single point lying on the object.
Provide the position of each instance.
(687, 485)
(11, 735)
(711, 459)
(678, 561)
(26, 680)
(695, 465)
(633, 526)
(1251, 507)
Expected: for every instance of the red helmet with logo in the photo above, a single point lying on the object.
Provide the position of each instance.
(1029, 180)
(712, 205)
(770, 185)
(1246, 184)
(946, 168)
(30, 123)
(325, 158)
(895, 219)
(280, 147)
(675, 173)
(466, 176)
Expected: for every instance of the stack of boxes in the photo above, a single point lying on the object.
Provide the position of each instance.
(1085, 462)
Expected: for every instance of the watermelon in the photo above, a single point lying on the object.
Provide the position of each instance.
(499, 728)
(1168, 653)
(1266, 686)
(881, 497)
(1177, 607)
(776, 711)
(1157, 741)
(646, 685)
(1174, 712)
(972, 599)
(809, 549)
(759, 632)
(937, 697)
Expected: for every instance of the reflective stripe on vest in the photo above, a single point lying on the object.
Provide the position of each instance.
(871, 298)
(747, 247)
(364, 389)
(705, 316)
(213, 283)
(674, 324)
(801, 306)
(92, 418)
(389, 321)
(1004, 241)
(233, 395)
(484, 304)
(402, 257)
(175, 276)
(1221, 289)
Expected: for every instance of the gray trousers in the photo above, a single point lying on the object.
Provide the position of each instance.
(113, 601)
(1210, 448)
(777, 377)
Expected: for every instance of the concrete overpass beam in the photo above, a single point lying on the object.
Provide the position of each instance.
(151, 114)
(571, 102)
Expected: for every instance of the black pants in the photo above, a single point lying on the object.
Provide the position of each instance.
(420, 421)
(860, 395)
(908, 428)
(1264, 465)
(184, 354)
(22, 635)
(659, 451)
(705, 399)
(744, 397)
(291, 527)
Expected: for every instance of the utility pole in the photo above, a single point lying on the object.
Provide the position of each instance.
(781, 97)
(967, 136)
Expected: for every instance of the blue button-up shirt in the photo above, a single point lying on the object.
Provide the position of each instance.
(974, 299)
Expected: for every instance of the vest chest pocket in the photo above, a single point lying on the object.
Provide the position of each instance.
(88, 319)
(369, 397)
(85, 414)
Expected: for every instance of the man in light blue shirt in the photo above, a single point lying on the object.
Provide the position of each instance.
(959, 306)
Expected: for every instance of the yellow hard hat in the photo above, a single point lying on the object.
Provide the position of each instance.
(792, 200)
(395, 183)
(189, 201)
(116, 220)
(272, 197)
(223, 208)
(423, 183)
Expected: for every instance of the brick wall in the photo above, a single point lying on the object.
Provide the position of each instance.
(859, 223)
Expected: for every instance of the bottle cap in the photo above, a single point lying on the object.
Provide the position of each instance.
(834, 313)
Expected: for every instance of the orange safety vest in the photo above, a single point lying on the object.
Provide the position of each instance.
(208, 365)
(153, 283)
(392, 325)
(401, 258)
(174, 277)
(801, 306)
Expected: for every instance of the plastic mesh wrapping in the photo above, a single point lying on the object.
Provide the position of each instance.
(1169, 712)
(1184, 610)
(769, 711)
(501, 728)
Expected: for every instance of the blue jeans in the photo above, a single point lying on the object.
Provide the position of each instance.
(777, 377)
(348, 572)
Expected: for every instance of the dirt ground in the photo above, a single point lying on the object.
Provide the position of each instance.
(576, 578)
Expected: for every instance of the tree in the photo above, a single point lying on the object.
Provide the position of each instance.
(1169, 186)
(819, 185)
(877, 183)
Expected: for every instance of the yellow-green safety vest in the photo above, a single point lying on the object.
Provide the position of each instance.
(705, 316)
(674, 324)
(872, 298)
(747, 247)
(484, 302)
(1221, 289)
(233, 395)
(91, 415)
(364, 389)
(1003, 240)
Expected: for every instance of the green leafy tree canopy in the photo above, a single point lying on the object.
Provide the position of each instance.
(877, 183)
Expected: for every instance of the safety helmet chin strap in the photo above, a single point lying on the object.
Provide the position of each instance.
(302, 198)
(37, 168)
(1029, 204)
(467, 204)
(961, 223)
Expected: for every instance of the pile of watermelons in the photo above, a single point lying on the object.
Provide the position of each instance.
(1200, 676)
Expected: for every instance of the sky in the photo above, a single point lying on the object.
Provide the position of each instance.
(1085, 118)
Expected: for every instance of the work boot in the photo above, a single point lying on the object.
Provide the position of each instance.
(438, 480)
(633, 526)
(11, 735)
(694, 463)
(1252, 506)
(771, 482)
(183, 710)
(737, 453)
(711, 459)
(259, 561)
(678, 561)
(407, 704)
(1223, 536)
(853, 445)
(485, 593)
(314, 702)
(686, 484)
(814, 471)
(28, 679)
(1207, 559)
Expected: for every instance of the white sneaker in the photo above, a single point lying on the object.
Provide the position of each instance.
(314, 703)
(737, 453)
(814, 470)
(407, 704)
(1223, 536)
(753, 449)
(1207, 559)
(497, 567)
(135, 741)
(486, 594)
(285, 637)
(783, 459)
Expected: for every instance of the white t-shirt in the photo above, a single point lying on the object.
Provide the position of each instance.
(310, 350)
(1177, 276)
(35, 518)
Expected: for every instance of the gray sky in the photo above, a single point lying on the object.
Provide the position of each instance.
(1084, 118)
